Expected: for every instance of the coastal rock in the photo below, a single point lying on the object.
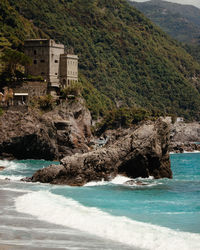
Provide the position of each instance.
(143, 152)
(63, 131)
(2, 168)
(26, 136)
(185, 132)
(72, 122)
(185, 137)
(134, 182)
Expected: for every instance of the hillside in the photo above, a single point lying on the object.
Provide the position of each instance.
(193, 50)
(180, 21)
(122, 54)
(14, 27)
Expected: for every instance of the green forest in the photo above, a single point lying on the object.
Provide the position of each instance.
(180, 21)
(124, 59)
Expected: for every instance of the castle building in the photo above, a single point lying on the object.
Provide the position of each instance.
(50, 61)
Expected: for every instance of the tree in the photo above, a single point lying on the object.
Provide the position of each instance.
(13, 62)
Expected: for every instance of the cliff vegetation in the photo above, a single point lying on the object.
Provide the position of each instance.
(125, 60)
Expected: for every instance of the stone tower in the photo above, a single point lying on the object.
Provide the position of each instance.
(49, 60)
(68, 69)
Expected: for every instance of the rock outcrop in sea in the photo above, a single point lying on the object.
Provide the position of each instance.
(142, 152)
(50, 136)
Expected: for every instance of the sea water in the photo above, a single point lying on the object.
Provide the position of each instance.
(162, 214)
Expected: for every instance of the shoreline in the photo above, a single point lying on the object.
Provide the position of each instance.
(20, 231)
(78, 223)
(185, 152)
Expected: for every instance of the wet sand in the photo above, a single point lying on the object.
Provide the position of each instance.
(20, 231)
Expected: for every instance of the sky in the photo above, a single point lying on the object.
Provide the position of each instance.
(196, 3)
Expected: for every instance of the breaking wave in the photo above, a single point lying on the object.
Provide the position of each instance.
(68, 212)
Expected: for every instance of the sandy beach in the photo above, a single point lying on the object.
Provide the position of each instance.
(24, 232)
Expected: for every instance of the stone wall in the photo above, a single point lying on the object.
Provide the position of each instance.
(32, 88)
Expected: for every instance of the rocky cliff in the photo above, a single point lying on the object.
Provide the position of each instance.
(185, 136)
(53, 135)
(142, 152)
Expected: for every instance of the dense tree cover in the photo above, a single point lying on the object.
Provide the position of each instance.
(13, 63)
(14, 27)
(122, 117)
(12, 59)
(180, 21)
(194, 50)
(97, 102)
(122, 54)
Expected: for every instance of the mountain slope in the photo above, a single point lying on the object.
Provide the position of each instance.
(14, 27)
(121, 52)
(180, 21)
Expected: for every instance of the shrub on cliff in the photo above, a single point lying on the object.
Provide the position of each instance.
(44, 103)
(74, 89)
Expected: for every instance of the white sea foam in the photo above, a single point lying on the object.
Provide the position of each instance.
(11, 165)
(96, 183)
(193, 152)
(17, 190)
(186, 152)
(119, 179)
(11, 177)
(59, 210)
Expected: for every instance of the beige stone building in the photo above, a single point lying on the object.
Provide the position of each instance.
(50, 61)
(68, 69)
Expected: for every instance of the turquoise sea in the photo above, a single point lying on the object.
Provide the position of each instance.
(164, 214)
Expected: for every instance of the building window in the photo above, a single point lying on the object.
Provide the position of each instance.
(64, 82)
(35, 52)
(56, 74)
(35, 61)
(42, 61)
(56, 61)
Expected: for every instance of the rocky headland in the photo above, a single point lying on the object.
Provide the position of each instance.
(141, 152)
(50, 136)
(65, 134)
(185, 137)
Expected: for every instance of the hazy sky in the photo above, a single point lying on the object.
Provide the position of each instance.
(191, 2)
